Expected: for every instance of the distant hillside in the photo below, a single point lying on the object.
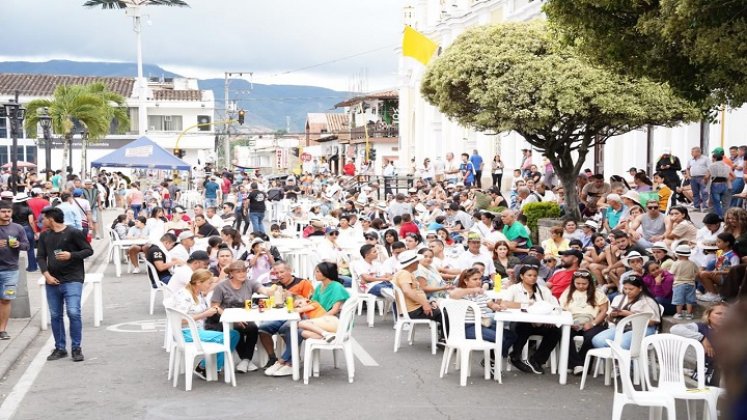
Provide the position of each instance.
(267, 106)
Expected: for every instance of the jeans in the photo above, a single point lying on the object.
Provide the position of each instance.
(8, 284)
(347, 281)
(666, 302)
(736, 187)
(281, 328)
(208, 336)
(478, 178)
(65, 295)
(376, 290)
(256, 218)
(600, 340)
(31, 253)
(136, 209)
(700, 193)
(488, 334)
(211, 202)
(497, 180)
(719, 197)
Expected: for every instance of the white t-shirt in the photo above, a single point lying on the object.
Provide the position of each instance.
(179, 252)
(360, 267)
(517, 293)
(180, 278)
(390, 266)
(468, 259)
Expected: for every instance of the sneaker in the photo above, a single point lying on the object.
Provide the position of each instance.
(77, 355)
(4, 335)
(136, 270)
(270, 371)
(251, 367)
(270, 362)
(200, 372)
(680, 315)
(708, 297)
(284, 370)
(242, 366)
(522, 365)
(688, 316)
(578, 370)
(57, 354)
(329, 337)
(536, 367)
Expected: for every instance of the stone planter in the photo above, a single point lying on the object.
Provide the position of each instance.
(544, 226)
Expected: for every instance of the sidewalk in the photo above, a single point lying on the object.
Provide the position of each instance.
(24, 330)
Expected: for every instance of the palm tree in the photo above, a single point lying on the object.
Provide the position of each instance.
(93, 106)
(133, 9)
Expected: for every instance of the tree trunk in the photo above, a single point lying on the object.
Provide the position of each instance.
(567, 171)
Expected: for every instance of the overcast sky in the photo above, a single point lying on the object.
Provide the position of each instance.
(268, 38)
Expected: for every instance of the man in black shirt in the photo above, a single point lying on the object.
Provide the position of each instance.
(62, 250)
(158, 255)
(257, 208)
(204, 229)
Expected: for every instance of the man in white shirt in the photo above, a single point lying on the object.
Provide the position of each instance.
(183, 273)
(212, 217)
(185, 245)
(439, 168)
(348, 235)
(439, 261)
(451, 169)
(697, 168)
(475, 254)
(391, 264)
(368, 271)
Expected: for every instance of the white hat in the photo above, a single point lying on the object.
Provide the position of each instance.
(187, 234)
(632, 256)
(631, 195)
(256, 241)
(381, 205)
(413, 190)
(660, 245)
(592, 224)
(614, 197)
(420, 208)
(682, 250)
(6, 194)
(37, 191)
(408, 257)
(20, 197)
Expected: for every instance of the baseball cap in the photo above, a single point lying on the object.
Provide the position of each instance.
(576, 253)
(718, 151)
(198, 256)
(78, 192)
(185, 235)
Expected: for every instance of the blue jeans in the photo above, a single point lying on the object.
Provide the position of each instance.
(256, 218)
(719, 194)
(65, 295)
(700, 193)
(208, 336)
(136, 209)
(488, 334)
(736, 187)
(347, 281)
(376, 290)
(211, 202)
(600, 340)
(281, 328)
(32, 266)
(8, 284)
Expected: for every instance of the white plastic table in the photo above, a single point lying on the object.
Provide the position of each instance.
(118, 246)
(564, 320)
(233, 315)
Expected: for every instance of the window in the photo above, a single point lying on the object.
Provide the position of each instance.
(3, 128)
(30, 154)
(165, 122)
(203, 119)
(4, 155)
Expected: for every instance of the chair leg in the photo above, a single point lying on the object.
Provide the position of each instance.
(587, 360)
(360, 307)
(307, 366)
(617, 410)
(188, 372)
(434, 337)
(444, 363)
(397, 335)
(465, 368)
(486, 357)
(554, 362)
(152, 299)
(334, 358)
(607, 371)
(370, 312)
(349, 361)
(315, 363)
(411, 334)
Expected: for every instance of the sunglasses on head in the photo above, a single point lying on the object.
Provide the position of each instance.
(581, 274)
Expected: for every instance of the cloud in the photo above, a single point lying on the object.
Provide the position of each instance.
(268, 38)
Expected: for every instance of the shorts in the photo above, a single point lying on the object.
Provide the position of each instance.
(683, 294)
(8, 284)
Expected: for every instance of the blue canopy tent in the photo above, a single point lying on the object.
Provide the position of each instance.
(142, 153)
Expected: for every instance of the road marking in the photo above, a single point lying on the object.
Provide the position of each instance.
(19, 391)
(362, 354)
(142, 326)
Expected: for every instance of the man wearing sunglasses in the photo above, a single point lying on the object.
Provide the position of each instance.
(570, 261)
(652, 226)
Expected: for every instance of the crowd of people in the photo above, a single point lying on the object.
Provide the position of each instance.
(447, 236)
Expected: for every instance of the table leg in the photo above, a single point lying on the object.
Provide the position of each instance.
(98, 304)
(295, 358)
(565, 338)
(227, 341)
(118, 261)
(499, 352)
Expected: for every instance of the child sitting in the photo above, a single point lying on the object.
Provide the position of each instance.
(316, 323)
(683, 291)
(713, 276)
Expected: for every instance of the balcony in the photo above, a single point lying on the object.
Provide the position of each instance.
(377, 131)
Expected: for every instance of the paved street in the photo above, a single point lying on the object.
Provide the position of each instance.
(124, 377)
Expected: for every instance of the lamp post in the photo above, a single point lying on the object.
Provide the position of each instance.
(83, 152)
(15, 114)
(46, 124)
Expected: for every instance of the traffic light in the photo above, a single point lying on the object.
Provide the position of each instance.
(242, 114)
(179, 153)
(372, 154)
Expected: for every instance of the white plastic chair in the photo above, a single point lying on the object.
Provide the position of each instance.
(403, 319)
(457, 341)
(168, 341)
(656, 400)
(153, 279)
(342, 342)
(370, 300)
(184, 354)
(638, 322)
(670, 351)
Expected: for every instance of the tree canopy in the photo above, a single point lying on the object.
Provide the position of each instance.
(699, 47)
(519, 77)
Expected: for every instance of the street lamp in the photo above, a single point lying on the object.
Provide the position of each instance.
(83, 157)
(15, 113)
(46, 124)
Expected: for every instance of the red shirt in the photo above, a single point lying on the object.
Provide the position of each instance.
(37, 204)
(560, 281)
(409, 227)
(349, 169)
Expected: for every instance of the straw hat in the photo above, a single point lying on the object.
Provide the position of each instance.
(632, 256)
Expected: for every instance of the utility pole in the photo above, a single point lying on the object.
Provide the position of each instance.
(226, 114)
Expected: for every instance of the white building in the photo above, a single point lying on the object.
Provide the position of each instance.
(425, 132)
(173, 105)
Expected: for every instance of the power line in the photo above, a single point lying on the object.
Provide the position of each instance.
(337, 60)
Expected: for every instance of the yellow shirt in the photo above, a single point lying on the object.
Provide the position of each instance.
(664, 194)
(404, 276)
(552, 248)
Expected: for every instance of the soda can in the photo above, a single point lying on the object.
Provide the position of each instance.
(248, 304)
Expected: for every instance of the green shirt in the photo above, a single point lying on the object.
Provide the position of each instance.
(516, 231)
(328, 296)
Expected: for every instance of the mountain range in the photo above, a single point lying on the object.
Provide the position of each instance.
(268, 107)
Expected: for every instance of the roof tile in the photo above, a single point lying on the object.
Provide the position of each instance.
(45, 84)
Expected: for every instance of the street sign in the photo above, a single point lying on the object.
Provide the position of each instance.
(306, 157)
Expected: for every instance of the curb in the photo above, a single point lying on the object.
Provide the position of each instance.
(22, 341)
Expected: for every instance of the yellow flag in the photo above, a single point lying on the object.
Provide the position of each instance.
(418, 46)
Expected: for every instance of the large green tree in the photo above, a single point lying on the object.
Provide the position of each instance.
(518, 77)
(93, 106)
(699, 47)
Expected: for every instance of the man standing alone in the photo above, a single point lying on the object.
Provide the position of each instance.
(62, 250)
(257, 208)
(478, 164)
(12, 241)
